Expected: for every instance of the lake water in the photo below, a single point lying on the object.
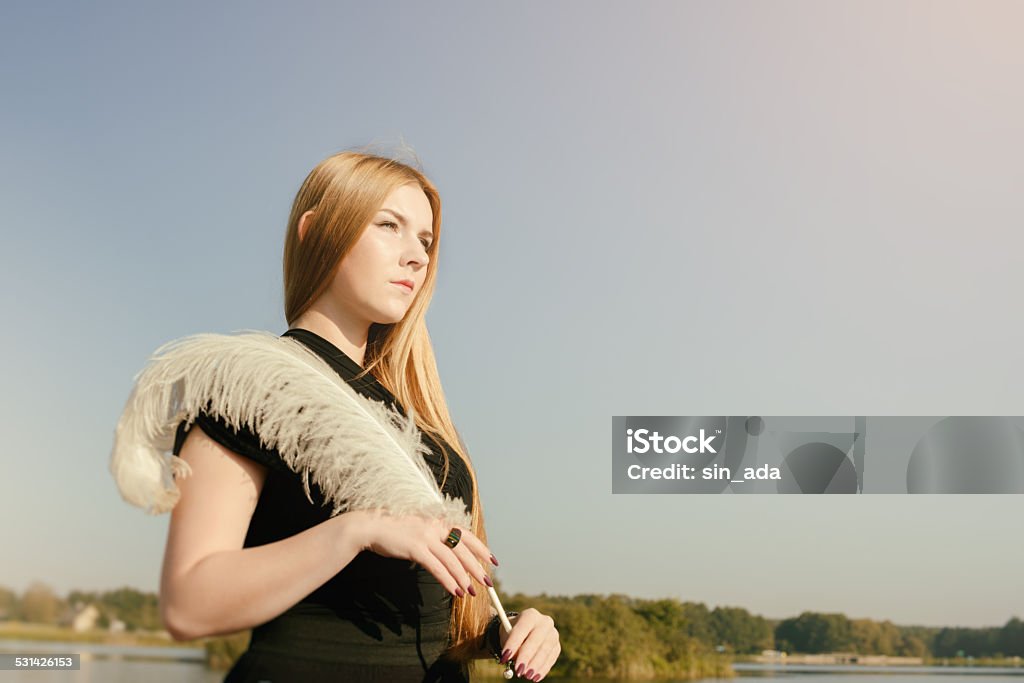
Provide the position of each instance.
(114, 664)
(819, 673)
(100, 663)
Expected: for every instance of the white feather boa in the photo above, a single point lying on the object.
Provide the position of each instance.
(360, 453)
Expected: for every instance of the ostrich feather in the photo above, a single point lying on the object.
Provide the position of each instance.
(358, 451)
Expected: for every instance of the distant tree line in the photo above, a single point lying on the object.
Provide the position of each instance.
(814, 632)
(40, 604)
(1007, 641)
(620, 636)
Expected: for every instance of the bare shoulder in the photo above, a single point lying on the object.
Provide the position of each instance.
(222, 466)
(216, 504)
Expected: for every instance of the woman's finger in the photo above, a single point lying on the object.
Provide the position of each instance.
(482, 552)
(548, 654)
(526, 659)
(530, 655)
(440, 571)
(472, 564)
(444, 554)
(518, 642)
(515, 637)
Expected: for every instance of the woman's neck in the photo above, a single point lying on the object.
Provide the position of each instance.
(348, 336)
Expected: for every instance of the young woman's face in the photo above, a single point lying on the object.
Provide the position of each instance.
(391, 249)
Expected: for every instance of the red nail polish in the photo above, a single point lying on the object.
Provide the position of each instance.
(519, 669)
(529, 674)
(494, 560)
(505, 654)
(472, 591)
(488, 581)
(460, 592)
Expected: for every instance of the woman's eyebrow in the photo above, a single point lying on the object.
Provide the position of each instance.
(401, 219)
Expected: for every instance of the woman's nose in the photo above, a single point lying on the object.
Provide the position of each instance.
(417, 253)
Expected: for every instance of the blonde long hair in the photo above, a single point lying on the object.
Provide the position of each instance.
(345, 190)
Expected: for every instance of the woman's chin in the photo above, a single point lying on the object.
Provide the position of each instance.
(390, 317)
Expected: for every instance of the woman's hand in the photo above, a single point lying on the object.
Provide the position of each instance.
(533, 644)
(422, 540)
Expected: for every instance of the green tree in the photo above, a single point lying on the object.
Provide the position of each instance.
(40, 604)
(1011, 638)
(812, 633)
(698, 622)
(137, 609)
(8, 603)
(740, 631)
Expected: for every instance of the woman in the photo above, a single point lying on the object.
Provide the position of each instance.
(337, 598)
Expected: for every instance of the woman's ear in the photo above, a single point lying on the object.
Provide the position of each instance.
(303, 224)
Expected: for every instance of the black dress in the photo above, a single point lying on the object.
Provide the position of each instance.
(378, 619)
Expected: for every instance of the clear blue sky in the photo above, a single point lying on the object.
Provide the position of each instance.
(659, 208)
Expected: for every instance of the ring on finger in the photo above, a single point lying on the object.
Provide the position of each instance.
(454, 536)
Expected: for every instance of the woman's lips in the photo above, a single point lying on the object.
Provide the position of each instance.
(403, 285)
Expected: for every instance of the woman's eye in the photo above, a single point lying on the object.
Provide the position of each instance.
(392, 225)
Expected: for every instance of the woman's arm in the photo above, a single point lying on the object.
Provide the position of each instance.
(209, 584)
